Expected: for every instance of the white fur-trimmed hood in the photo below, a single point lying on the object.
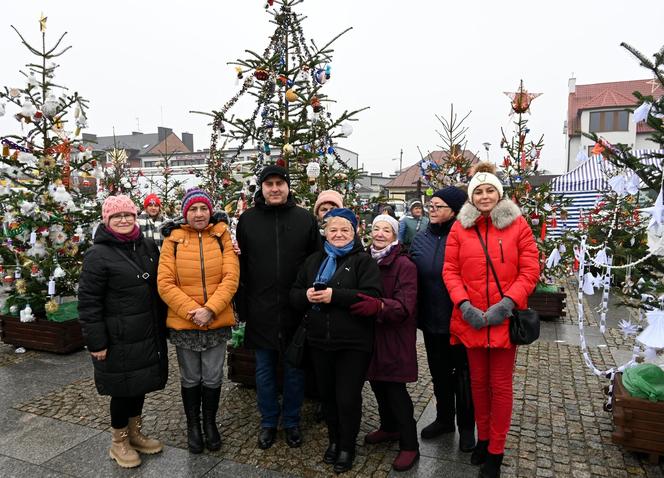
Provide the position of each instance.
(504, 214)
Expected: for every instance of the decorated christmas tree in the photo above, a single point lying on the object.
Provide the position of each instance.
(455, 164)
(541, 208)
(291, 123)
(48, 195)
(169, 189)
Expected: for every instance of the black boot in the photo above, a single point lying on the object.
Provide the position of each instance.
(330, 456)
(467, 440)
(480, 452)
(464, 411)
(491, 468)
(436, 428)
(344, 461)
(210, 407)
(191, 399)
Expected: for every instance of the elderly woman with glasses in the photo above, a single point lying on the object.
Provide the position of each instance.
(448, 363)
(340, 341)
(124, 324)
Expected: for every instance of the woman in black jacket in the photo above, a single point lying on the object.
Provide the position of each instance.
(448, 364)
(340, 342)
(124, 325)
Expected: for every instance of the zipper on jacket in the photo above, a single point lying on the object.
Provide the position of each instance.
(276, 234)
(200, 248)
(502, 257)
(488, 300)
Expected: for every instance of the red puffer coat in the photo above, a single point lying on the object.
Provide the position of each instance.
(467, 274)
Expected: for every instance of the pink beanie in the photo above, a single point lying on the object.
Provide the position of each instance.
(331, 196)
(115, 205)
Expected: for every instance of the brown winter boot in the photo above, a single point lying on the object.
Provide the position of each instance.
(121, 451)
(140, 442)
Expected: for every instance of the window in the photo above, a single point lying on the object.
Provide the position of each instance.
(601, 121)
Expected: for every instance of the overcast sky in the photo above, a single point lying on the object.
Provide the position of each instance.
(157, 59)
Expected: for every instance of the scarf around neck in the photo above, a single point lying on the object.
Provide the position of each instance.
(383, 253)
(132, 236)
(329, 265)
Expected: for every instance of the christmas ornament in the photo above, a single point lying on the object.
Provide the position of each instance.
(59, 273)
(521, 99)
(26, 314)
(315, 103)
(291, 96)
(50, 106)
(34, 270)
(261, 75)
(21, 286)
(13, 309)
(653, 334)
(28, 110)
(346, 129)
(642, 112)
(51, 307)
(313, 171)
(288, 149)
(14, 92)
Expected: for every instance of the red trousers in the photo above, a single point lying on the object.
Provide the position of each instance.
(491, 372)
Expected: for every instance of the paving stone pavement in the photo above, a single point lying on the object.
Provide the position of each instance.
(53, 423)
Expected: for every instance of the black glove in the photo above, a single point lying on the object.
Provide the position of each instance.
(500, 311)
(472, 315)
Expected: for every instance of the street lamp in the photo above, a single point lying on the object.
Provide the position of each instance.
(486, 147)
(400, 159)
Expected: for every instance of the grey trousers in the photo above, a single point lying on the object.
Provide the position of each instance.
(206, 368)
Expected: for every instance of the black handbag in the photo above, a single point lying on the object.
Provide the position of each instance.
(294, 355)
(525, 323)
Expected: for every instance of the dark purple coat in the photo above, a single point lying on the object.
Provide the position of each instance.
(394, 356)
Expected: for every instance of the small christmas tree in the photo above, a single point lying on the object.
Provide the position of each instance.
(291, 123)
(46, 205)
(628, 223)
(521, 162)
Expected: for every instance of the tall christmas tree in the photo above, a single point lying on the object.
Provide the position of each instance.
(47, 205)
(541, 207)
(627, 225)
(455, 164)
(291, 123)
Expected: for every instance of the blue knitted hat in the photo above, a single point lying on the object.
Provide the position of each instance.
(345, 213)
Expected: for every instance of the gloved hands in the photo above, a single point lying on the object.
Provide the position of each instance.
(472, 315)
(500, 311)
(367, 306)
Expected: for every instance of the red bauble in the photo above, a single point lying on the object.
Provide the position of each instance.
(261, 75)
(281, 162)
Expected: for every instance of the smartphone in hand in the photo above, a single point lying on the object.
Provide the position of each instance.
(320, 286)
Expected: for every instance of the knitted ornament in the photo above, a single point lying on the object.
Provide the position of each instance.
(193, 196)
(151, 200)
(485, 173)
(331, 196)
(115, 205)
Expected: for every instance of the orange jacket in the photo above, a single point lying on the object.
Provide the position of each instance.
(193, 272)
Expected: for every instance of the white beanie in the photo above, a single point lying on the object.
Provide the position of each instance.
(484, 178)
(388, 219)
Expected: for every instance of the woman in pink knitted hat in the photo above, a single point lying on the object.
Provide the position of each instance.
(124, 325)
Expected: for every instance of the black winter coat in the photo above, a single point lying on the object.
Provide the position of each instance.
(121, 311)
(274, 242)
(434, 306)
(332, 326)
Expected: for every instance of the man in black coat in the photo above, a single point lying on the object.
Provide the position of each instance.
(274, 237)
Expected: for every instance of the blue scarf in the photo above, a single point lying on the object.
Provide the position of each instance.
(329, 265)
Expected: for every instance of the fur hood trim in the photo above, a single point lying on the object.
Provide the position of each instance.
(504, 214)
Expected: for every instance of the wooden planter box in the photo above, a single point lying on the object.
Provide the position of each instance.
(549, 305)
(639, 423)
(58, 337)
(242, 369)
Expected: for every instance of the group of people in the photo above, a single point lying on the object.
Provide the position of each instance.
(360, 308)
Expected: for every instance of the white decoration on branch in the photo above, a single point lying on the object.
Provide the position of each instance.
(642, 112)
(628, 328)
(653, 335)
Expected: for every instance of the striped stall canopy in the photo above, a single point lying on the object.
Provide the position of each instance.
(585, 185)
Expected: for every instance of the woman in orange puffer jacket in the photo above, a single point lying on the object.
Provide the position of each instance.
(480, 319)
(198, 275)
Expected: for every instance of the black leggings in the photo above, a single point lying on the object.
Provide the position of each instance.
(340, 376)
(396, 412)
(124, 407)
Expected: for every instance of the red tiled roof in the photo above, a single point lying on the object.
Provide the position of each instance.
(409, 176)
(605, 95)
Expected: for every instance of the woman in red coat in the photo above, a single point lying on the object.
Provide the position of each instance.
(394, 357)
(480, 317)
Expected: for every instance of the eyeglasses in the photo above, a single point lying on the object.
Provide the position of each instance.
(120, 217)
(436, 207)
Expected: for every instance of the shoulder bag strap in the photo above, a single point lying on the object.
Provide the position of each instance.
(488, 259)
(141, 272)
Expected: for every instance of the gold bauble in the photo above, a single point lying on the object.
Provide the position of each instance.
(21, 286)
(51, 306)
(291, 95)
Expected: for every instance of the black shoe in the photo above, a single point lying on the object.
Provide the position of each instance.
(467, 440)
(344, 461)
(330, 456)
(480, 452)
(491, 468)
(435, 429)
(293, 437)
(266, 438)
(210, 398)
(191, 399)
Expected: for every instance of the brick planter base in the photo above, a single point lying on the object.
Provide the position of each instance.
(57, 337)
